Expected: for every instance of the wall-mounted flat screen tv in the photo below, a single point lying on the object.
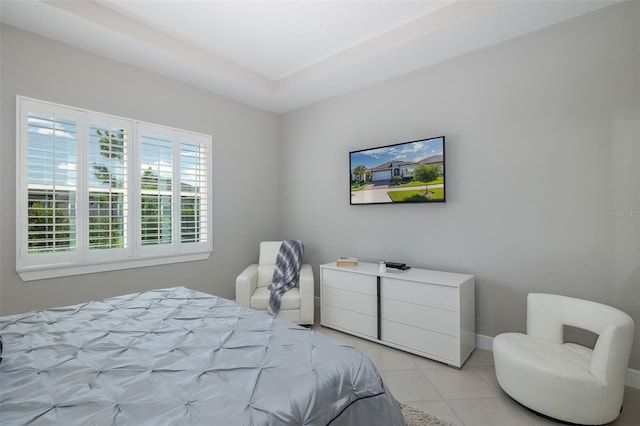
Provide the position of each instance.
(407, 172)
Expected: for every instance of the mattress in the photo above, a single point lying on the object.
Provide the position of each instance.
(181, 357)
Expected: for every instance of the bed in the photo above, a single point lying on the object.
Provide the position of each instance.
(182, 357)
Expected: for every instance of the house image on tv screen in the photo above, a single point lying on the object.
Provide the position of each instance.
(405, 172)
(403, 169)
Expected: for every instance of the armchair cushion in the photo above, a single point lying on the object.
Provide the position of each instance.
(260, 299)
(267, 261)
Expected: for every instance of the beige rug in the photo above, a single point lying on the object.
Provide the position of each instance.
(415, 417)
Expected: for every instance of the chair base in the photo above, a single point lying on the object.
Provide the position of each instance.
(542, 415)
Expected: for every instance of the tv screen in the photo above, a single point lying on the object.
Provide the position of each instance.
(407, 172)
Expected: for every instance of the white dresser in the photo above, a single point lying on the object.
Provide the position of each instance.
(428, 313)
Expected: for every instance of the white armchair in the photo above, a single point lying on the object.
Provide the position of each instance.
(567, 381)
(251, 287)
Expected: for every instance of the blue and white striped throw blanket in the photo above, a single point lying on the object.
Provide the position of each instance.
(286, 273)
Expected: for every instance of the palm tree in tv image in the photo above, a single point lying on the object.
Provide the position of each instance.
(360, 177)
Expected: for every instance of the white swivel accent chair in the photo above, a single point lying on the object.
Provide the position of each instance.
(251, 287)
(567, 381)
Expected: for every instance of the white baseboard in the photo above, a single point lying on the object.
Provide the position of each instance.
(633, 378)
(486, 343)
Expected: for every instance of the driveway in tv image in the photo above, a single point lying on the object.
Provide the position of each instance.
(372, 193)
(378, 193)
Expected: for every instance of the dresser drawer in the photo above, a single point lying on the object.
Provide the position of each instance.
(436, 296)
(362, 303)
(434, 319)
(349, 320)
(426, 341)
(359, 283)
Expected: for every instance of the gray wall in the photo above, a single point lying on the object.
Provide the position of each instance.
(542, 152)
(245, 140)
(542, 148)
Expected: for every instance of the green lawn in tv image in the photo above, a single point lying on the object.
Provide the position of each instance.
(410, 172)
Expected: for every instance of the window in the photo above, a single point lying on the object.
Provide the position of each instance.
(97, 192)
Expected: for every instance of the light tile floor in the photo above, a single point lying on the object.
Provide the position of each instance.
(469, 396)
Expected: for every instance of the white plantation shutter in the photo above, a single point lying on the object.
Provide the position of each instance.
(156, 180)
(47, 203)
(108, 180)
(97, 192)
(194, 189)
(52, 161)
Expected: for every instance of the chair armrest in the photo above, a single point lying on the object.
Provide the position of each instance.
(246, 284)
(610, 359)
(307, 294)
(611, 352)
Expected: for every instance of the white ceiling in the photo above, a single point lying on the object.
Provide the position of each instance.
(282, 55)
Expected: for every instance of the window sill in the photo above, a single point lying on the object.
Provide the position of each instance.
(46, 272)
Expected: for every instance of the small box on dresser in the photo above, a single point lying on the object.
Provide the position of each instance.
(428, 313)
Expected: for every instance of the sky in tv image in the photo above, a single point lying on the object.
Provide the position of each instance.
(410, 151)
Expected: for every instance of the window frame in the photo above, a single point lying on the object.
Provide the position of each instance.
(84, 259)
